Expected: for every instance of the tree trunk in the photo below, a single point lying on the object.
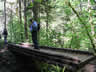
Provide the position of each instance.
(47, 15)
(91, 23)
(80, 5)
(36, 15)
(5, 13)
(25, 20)
(36, 11)
(11, 25)
(20, 20)
(73, 32)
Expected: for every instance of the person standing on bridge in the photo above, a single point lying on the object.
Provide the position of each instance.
(5, 33)
(34, 29)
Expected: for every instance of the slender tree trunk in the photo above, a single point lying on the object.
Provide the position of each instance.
(13, 31)
(36, 11)
(5, 13)
(73, 32)
(25, 20)
(91, 23)
(36, 15)
(81, 5)
(47, 14)
(90, 19)
(20, 20)
(70, 46)
(39, 24)
(11, 24)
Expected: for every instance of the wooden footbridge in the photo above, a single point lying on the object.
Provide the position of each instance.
(73, 59)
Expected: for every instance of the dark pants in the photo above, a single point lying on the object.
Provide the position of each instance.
(5, 39)
(34, 39)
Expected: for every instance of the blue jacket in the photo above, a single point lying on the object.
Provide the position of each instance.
(34, 26)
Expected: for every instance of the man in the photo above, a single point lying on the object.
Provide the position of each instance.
(34, 30)
(5, 33)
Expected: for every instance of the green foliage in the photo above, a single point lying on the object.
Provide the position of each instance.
(67, 10)
(15, 30)
(30, 5)
(39, 1)
(92, 2)
(51, 68)
(64, 28)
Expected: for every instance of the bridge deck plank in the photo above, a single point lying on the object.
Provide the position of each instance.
(73, 55)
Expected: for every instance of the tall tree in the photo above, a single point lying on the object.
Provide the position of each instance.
(47, 15)
(11, 18)
(35, 10)
(20, 19)
(5, 13)
(36, 14)
(25, 21)
(91, 22)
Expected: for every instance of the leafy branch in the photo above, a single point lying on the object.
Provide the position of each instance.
(87, 32)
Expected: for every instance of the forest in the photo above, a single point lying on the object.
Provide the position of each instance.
(63, 23)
